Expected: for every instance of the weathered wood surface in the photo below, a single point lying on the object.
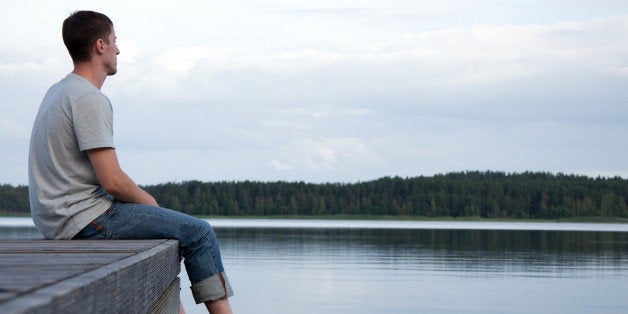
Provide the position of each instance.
(91, 276)
(169, 301)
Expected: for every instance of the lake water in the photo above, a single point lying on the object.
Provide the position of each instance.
(286, 266)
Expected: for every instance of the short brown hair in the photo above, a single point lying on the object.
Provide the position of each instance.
(81, 30)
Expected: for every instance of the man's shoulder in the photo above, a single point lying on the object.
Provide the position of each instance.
(74, 88)
(77, 83)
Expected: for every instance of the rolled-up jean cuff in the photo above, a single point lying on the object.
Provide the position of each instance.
(211, 289)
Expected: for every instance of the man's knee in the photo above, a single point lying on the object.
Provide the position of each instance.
(200, 234)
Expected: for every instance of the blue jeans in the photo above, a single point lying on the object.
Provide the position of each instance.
(197, 242)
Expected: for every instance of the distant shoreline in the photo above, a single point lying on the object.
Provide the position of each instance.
(488, 194)
(421, 218)
(401, 218)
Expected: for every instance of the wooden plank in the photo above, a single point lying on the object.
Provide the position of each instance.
(35, 279)
(34, 259)
(131, 284)
(6, 295)
(75, 246)
(169, 301)
(26, 265)
(26, 281)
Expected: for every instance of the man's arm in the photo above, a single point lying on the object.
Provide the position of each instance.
(114, 180)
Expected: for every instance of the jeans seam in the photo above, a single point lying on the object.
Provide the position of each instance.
(103, 230)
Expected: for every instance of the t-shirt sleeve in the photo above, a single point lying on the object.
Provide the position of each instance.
(92, 116)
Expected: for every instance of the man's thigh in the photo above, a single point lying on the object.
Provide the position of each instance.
(139, 221)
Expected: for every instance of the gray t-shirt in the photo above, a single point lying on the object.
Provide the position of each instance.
(65, 195)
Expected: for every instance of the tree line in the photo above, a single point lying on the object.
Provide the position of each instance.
(530, 195)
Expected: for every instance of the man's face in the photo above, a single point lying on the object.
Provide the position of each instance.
(111, 54)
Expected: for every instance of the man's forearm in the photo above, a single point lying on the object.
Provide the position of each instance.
(124, 189)
(114, 180)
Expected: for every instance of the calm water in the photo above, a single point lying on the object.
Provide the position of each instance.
(416, 267)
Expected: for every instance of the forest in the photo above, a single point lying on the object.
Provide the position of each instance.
(489, 194)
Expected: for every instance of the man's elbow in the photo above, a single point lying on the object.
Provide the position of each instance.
(114, 185)
(112, 189)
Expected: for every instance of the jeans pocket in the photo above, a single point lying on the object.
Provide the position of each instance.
(102, 232)
(97, 229)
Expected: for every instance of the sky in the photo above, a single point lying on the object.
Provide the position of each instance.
(337, 91)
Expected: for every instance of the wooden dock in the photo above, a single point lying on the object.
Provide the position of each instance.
(89, 276)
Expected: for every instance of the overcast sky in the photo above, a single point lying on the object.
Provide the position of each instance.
(338, 91)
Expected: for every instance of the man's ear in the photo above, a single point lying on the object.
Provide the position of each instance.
(99, 46)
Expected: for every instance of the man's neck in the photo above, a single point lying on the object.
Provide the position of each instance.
(92, 74)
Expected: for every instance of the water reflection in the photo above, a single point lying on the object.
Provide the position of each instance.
(425, 271)
(19, 232)
(454, 250)
(352, 270)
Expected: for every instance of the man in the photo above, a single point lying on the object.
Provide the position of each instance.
(77, 189)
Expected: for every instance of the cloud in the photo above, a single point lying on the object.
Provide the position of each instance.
(325, 158)
(437, 95)
(313, 92)
(483, 56)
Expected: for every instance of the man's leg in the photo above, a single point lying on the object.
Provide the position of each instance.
(219, 306)
(198, 245)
